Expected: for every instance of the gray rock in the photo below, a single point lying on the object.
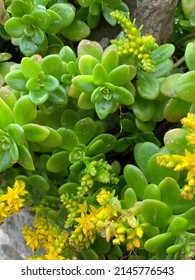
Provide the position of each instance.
(12, 242)
(156, 16)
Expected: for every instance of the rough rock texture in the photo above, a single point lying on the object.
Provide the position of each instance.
(12, 243)
(157, 17)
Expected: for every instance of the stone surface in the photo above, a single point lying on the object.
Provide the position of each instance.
(156, 16)
(12, 243)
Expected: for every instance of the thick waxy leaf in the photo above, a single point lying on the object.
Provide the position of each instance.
(156, 212)
(167, 86)
(25, 110)
(16, 80)
(67, 54)
(85, 130)
(103, 108)
(25, 158)
(162, 53)
(76, 31)
(143, 109)
(190, 55)
(69, 138)
(84, 83)
(176, 109)
(56, 23)
(30, 68)
(42, 18)
(87, 47)
(6, 115)
(54, 139)
(38, 96)
(122, 95)
(100, 75)
(159, 242)
(160, 173)
(110, 58)
(69, 118)
(152, 191)
(68, 188)
(86, 64)
(147, 86)
(178, 225)
(130, 197)
(16, 132)
(52, 65)
(84, 101)
(135, 179)
(170, 191)
(184, 87)
(8, 96)
(38, 182)
(14, 27)
(102, 143)
(66, 11)
(35, 133)
(6, 160)
(19, 8)
(120, 75)
(58, 161)
(142, 153)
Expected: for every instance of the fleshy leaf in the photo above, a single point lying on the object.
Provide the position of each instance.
(24, 110)
(25, 158)
(52, 65)
(84, 83)
(85, 130)
(69, 138)
(35, 133)
(16, 132)
(16, 80)
(120, 75)
(58, 162)
(86, 64)
(30, 68)
(14, 27)
(6, 115)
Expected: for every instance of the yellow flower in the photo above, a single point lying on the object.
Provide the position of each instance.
(189, 121)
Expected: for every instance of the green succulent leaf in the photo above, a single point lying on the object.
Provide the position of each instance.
(156, 212)
(41, 18)
(85, 130)
(54, 139)
(122, 95)
(24, 110)
(147, 86)
(19, 8)
(30, 68)
(175, 141)
(86, 64)
(178, 225)
(66, 11)
(16, 132)
(97, 95)
(104, 108)
(25, 158)
(15, 27)
(87, 47)
(130, 197)
(6, 115)
(163, 52)
(102, 143)
(38, 182)
(143, 109)
(58, 161)
(176, 109)
(160, 173)
(69, 138)
(84, 101)
(68, 188)
(184, 87)
(84, 83)
(152, 191)
(16, 80)
(35, 133)
(120, 75)
(6, 160)
(189, 56)
(110, 58)
(52, 65)
(159, 242)
(38, 96)
(100, 75)
(76, 31)
(135, 179)
(143, 152)
(56, 23)
(167, 86)
(69, 118)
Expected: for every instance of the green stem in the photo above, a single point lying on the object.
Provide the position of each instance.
(185, 39)
(179, 62)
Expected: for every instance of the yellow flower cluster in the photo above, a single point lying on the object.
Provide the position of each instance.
(109, 220)
(45, 235)
(134, 45)
(184, 162)
(13, 200)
